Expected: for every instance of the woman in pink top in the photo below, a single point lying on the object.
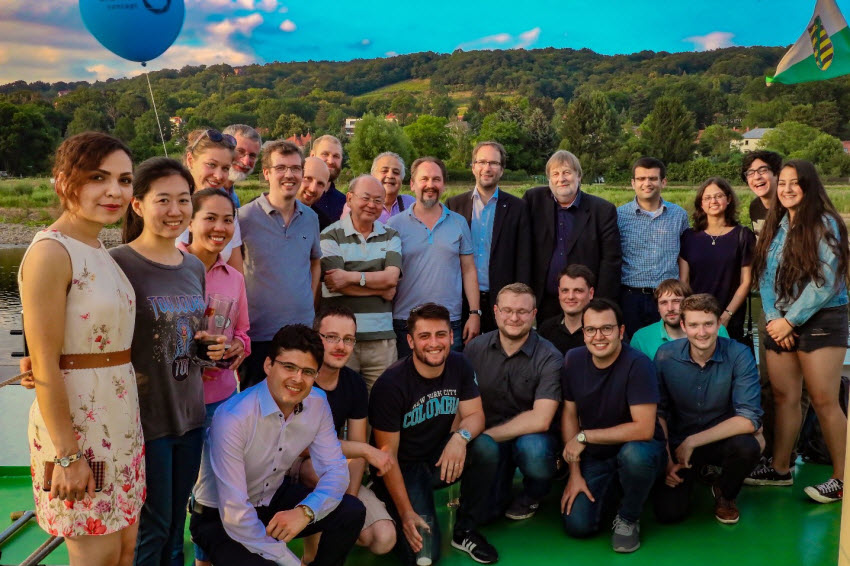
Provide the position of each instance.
(213, 215)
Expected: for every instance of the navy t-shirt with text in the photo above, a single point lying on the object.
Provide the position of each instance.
(421, 410)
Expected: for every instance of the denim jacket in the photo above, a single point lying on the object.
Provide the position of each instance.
(811, 298)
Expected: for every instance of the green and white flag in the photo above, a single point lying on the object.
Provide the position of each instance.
(822, 52)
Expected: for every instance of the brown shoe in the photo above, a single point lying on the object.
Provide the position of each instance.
(725, 510)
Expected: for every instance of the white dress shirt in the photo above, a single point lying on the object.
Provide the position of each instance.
(249, 449)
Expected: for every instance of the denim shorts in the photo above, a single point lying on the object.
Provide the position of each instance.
(826, 328)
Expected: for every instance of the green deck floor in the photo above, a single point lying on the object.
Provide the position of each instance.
(778, 527)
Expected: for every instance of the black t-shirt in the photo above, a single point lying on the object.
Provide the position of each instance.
(553, 330)
(603, 396)
(349, 399)
(758, 213)
(421, 409)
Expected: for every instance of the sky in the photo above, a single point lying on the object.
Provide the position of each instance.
(46, 40)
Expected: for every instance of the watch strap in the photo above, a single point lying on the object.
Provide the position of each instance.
(68, 460)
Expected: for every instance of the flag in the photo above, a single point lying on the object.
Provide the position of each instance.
(822, 52)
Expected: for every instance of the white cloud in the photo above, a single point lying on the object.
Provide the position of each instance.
(365, 42)
(102, 72)
(391, 54)
(288, 25)
(244, 25)
(503, 41)
(713, 40)
(267, 5)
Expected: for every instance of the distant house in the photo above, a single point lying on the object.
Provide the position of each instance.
(751, 140)
(350, 124)
(846, 145)
(177, 125)
(301, 141)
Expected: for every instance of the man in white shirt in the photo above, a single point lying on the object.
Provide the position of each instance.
(245, 508)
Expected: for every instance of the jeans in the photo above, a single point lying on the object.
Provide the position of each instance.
(534, 455)
(340, 529)
(636, 466)
(422, 478)
(639, 310)
(400, 327)
(736, 455)
(172, 464)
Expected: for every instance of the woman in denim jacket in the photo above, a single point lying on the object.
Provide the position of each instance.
(804, 296)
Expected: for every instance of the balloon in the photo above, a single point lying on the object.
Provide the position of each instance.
(138, 30)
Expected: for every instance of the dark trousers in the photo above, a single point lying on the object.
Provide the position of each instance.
(251, 371)
(534, 455)
(736, 455)
(403, 349)
(488, 319)
(340, 529)
(639, 309)
(627, 477)
(422, 478)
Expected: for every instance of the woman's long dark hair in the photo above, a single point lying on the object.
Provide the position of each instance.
(143, 177)
(731, 212)
(800, 263)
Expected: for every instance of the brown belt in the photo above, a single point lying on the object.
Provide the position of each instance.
(92, 361)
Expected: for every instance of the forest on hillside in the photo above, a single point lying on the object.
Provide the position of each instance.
(606, 109)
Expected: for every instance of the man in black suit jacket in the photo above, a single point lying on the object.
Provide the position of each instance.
(501, 232)
(571, 226)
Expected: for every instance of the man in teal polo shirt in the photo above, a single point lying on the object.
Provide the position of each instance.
(668, 297)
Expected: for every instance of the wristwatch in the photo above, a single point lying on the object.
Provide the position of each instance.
(66, 461)
(581, 437)
(464, 434)
(362, 279)
(477, 311)
(307, 512)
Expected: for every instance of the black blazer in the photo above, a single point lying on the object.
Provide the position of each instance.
(511, 242)
(594, 242)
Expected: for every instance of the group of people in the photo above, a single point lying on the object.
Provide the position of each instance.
(414, 343)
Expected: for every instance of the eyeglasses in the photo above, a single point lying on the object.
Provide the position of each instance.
(282, 169)
(644, 179)
(606, 330)
(483, 163)
(718, 198)
(763, 170)
(377, 201)
(334, 339)
(216, 137)
(509, 312)
(309, 373)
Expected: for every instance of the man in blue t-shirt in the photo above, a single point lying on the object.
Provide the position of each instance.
(426, 410)
(609, 428)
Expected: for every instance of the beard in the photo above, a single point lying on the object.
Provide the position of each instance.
(422, 357)
(238, 176)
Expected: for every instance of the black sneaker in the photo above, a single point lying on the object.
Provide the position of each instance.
(765, 474)
(523, 507)
(827, 492)
(473, 543)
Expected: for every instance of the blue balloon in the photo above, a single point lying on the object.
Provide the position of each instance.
(138, 30)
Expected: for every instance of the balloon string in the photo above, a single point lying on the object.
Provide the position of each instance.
(156, 113)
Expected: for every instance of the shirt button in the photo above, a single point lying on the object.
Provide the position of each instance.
(280, 449)
(274, 469)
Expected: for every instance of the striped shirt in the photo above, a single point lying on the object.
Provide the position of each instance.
(343, 247)
(650, 242)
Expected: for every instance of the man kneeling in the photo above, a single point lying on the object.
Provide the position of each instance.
(710, 405)
(613, 439)
(245, 508)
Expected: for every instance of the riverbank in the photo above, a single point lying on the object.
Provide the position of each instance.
(22, 235)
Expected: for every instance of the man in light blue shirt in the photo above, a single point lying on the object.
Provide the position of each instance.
(436, 254)
(650, 229)
(245, 507)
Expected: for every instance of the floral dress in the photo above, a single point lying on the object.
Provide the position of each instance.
(99, 317)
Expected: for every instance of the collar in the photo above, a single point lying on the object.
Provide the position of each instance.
(269, 209)
(683, 351)
(527, 348)
(219, 262)
(638, 210)
(349, 230)
(268, 406)
(576, 201)
(409, 211)
(477, 196)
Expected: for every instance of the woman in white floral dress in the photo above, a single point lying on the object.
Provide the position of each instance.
(85, 436)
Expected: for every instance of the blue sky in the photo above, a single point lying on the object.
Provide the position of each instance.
(46, 39)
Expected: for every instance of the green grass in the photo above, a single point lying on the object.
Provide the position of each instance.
(413, 86)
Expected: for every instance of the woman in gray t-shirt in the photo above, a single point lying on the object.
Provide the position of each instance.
(169, 286)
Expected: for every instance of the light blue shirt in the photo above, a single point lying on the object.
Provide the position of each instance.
(430, 261)
(650, 242)
(483, 216)
(250, 448)
(812, 297)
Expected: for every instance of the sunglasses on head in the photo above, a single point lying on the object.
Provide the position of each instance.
(216, 137)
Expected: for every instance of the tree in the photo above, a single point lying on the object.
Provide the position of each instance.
(542, 139)
(374, 135)
(511, 135)
(442, 105)
(289, 125)
(789, 137)
(590, 129)
(715, 141)
(86, 120)
(429, 136)
(403, 106)
(26, 139)
(124, 129)
(668, 131)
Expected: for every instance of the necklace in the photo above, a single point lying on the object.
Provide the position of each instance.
(714, 238)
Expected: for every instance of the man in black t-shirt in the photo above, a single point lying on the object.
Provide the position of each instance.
(413, 412)
(349, 403)
(610, 428)
(575, 290)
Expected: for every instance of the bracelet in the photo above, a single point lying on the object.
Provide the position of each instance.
(727, 312)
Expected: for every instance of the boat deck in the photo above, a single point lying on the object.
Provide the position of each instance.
(779, 526)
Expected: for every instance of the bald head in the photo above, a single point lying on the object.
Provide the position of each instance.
(315, 181)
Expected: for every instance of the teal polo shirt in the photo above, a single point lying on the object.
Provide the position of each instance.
(649, 338)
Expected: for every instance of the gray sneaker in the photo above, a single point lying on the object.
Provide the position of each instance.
(625, 536)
